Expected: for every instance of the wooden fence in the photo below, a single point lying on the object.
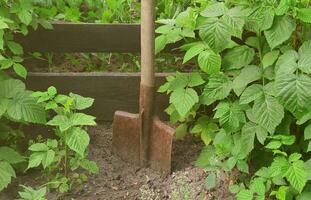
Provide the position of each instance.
(112, 91)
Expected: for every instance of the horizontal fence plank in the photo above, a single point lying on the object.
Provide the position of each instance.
(111, 91)
(84, 37)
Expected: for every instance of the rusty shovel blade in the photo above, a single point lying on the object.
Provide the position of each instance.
(126, 141)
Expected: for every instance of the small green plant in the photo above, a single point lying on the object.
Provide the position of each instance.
(70, 150)
(250, 102)
(29, 193)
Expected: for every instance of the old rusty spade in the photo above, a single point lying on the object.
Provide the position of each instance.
(142, 139)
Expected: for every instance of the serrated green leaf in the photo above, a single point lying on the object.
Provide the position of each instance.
(248, 75)
(209, 62)
(268, 112)
(287, 63)
(78, 140)
(10, 88)
(10, 155)
(193, 51)
(279, 167)
(218, 87)
(244, 53)
(90, 166)
(304, 14)
(297, 175)
(80, 102)
(260, 18)
(304, 62)
(251, 93)
(270, 58)
(184, 100)
(16, 48)
(235, 18)
(245, 195)
(230, 115)
(281, 30)
(20, 70)
(293, 92)
(214, 10)
(215, 33)
(6, 174)
(24, 107)
(160, 43)
(274, 145)
(48, 158)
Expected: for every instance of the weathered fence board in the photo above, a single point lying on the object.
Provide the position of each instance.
(112, 91)
(84, 37)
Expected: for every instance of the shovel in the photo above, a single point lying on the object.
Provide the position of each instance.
(142, 139)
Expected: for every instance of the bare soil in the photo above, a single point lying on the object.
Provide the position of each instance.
(119, 180)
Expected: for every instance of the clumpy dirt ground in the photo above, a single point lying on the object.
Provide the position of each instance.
(119, 180)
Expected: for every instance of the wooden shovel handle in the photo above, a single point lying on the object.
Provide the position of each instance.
(147, 89)
(147, 43)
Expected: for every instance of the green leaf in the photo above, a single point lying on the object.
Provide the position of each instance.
(307, 132)
(48, 158)
(209, 62)
(25, 16)
(61, 121)
(297, 175)
(10, 155)
(304, 14)
(261, 18)
(235, 18)
(211, 181)
(242, 165)
(16, 48)
(24, 107)
(245, 55)
(304, 62)
(81, 119)
(35, 159)
(279, 167)
(20, 70)
(251, 93)
(230, 163)
(218, 87)
(195, 79)
(10, 88)
(268, 112)
(181, 131)
(3, 24)
(214, 10)
(287, 63)
(160, 43)
(281, 30)
(293, 91)
(80, 102)
(38, 147)
(248, 75)
(274, 145)
(245, 195)
(230, 115)
(78, 140)
(6, 174)
(270, 58)
(258, 187)
(215, 33)
(244, 142)
(283, 7)
(193, 51)
(184, 100)
(90, 166)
